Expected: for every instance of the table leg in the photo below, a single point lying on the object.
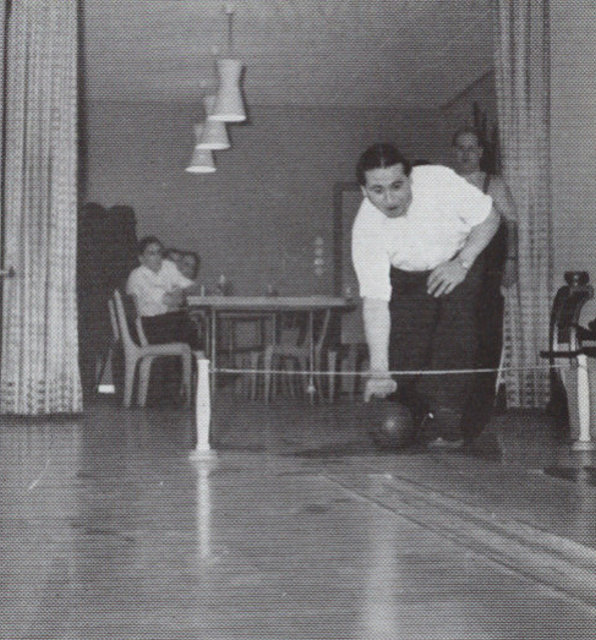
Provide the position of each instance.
(213, 351)
(310, 389)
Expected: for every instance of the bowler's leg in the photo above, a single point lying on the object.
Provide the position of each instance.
(454, 346)
(413, 318)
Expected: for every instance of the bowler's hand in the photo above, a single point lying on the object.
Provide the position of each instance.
(445, 278)
(379, 387)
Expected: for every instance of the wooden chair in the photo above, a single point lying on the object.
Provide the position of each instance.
(292, 352)
(144, 354)
(570, 385)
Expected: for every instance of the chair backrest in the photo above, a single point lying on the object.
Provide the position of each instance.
(321, 330)
(294, 330)
(291, 329)
(565, 313)
(122, 321)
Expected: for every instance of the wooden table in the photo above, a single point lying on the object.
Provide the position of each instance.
(265, 306)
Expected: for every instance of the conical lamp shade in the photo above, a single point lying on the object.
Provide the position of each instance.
(229, 106)
(202, 159)
(215, 134)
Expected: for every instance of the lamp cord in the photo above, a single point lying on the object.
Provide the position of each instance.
(230, 14)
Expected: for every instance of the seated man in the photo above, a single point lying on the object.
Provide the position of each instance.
(160, 290)
(189, 264)
(173, 254)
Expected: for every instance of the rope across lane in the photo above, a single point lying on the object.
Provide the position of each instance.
(416, 372)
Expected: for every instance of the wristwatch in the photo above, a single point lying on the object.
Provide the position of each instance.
(464, 263)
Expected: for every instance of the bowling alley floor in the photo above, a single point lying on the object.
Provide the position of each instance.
(295, 528)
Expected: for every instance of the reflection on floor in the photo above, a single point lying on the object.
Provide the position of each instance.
(295, 528)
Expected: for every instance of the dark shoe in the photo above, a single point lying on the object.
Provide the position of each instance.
(446, 426)
(442, 443)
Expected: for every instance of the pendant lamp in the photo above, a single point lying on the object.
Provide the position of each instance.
(229, 105)
(215, 134)
(202, 159)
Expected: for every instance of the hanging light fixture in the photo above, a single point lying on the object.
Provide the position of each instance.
(215, 134)
(229, 105)
(202, 159)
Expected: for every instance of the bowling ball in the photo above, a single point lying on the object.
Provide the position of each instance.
(391, 425)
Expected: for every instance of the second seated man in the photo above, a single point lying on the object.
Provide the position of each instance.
(160, 290)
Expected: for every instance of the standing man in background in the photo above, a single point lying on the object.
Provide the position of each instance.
(500, 271)
(415, 243)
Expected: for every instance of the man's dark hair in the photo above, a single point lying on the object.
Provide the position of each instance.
(466, 130)
(146, 241)
(380, 156)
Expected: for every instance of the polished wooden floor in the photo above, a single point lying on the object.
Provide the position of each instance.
(296, 528)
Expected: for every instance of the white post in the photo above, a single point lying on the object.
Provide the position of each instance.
(584, 441)
(203, 409)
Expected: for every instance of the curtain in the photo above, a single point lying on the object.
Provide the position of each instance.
(522, 83)
(39, 372)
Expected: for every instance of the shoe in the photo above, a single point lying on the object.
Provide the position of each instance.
(446, 427)
(442, 443)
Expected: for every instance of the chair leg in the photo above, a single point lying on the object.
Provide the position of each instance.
(254, 365)
(332, 367)
(144, 375)
(351, 357)
(303, 365)
(289, 379)
(187, 377)
(129, 378)
(267, 361)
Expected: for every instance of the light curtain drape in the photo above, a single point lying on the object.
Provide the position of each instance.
(39, 370)
(522, 82)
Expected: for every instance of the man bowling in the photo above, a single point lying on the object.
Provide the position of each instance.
(415, 243)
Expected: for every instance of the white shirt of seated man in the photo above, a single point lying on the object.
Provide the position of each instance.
(157, 284)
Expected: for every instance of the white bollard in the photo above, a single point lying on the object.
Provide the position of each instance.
(203, 410)
(584, 441)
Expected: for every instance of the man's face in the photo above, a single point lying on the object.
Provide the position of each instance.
(188, 267)
(175, 256)
(389, 189)
(152, 257)
(467, 153)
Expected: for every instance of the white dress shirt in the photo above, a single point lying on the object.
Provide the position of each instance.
(149, 287)
(443, 211)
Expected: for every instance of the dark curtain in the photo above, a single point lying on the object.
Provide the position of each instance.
(107, 253)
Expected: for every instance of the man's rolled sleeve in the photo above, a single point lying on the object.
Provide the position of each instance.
(175, 278)
(474, 205)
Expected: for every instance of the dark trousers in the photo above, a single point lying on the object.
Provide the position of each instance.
(175, 326)
(489, 332)
(433, 333)
(481, 401)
